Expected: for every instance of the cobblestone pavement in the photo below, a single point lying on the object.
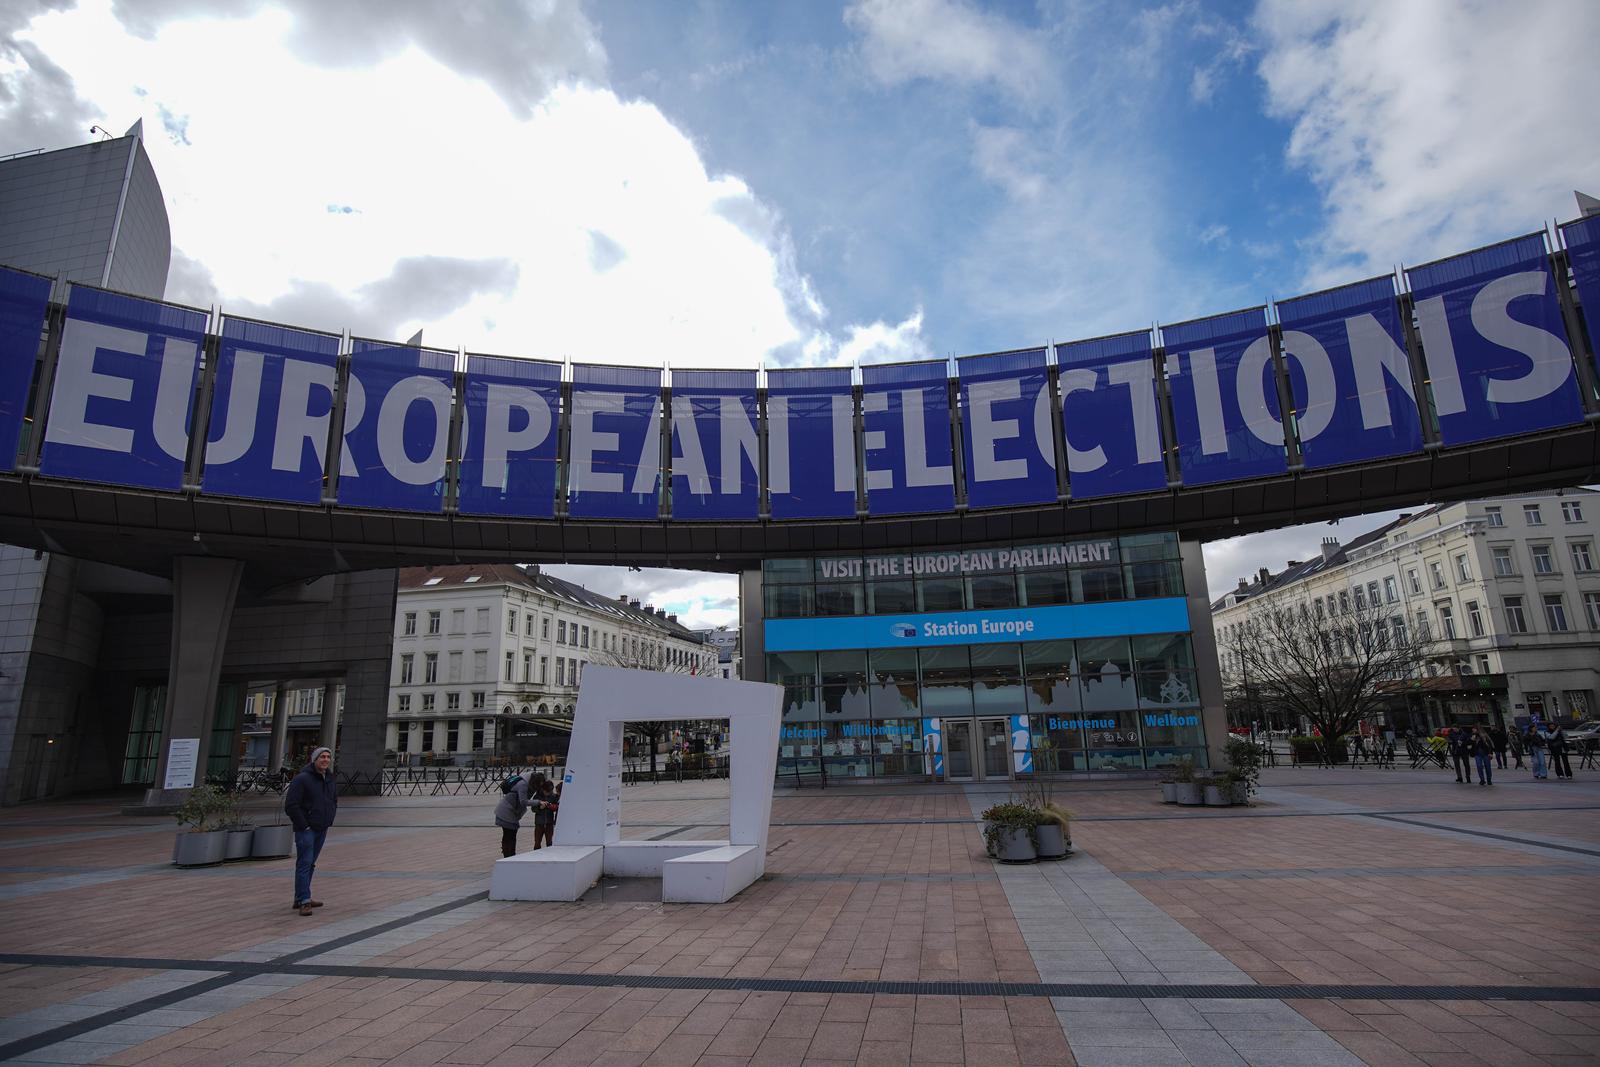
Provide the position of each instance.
(1347, 917)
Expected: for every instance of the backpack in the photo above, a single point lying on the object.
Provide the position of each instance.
(510, 783)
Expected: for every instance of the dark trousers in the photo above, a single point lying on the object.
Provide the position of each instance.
(1500, 758)
(1485, 773)
(1560, 764)
(1463, 765)
(542, 834)
(508, 841)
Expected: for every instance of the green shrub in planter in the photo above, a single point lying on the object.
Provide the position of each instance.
(1309, 749)
(1008, 831)
(205, 842)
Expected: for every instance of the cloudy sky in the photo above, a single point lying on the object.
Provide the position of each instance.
(807, 182)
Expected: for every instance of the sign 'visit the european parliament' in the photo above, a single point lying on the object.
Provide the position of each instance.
(294, 415)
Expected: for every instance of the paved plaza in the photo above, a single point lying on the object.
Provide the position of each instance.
(1349, 916)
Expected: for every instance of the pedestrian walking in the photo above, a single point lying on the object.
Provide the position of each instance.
(515, 800)
(1536, 744)
(311, 803)
(544, 818)
(1501, 742)
(1482, 750)
(1557, 740)
(1460, 754)
(1515, 737)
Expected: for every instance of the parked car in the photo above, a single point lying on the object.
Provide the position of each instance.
(1584, 733)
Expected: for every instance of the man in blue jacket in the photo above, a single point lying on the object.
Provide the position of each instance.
(311, 803)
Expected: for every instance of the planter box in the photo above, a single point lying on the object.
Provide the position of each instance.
(1169, 792)
(200, 850)
(1219, 796)
(1189, 794)
(1015, 846)
(271, 842)
(1053, 841)
(1241, 792)
(239, 843)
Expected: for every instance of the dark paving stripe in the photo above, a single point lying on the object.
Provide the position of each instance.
(1552, 870)
(1483, 833)
(239, 971)
(235, 973)
(848, 877)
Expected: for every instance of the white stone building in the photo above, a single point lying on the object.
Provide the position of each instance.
(1506, 590)
(479, 647)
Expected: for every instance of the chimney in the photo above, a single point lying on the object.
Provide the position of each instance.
(1244, 586)
(672, 618)
(1263, 574)
(1330, 547)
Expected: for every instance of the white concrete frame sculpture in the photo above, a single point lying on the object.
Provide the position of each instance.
(588, 839)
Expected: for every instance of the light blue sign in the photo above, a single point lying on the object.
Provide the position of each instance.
(905, 418)
(397, 426)
(1159, 615)
(933, 746)
(24, 299)
(271, 406)
(124, 391)
(508, 462)
(1110, 416)
(811, 443)
(1021, 745)
(1225, 398)
(1349, 374)
(1007, 439)
(1495, 344)
(715, 450)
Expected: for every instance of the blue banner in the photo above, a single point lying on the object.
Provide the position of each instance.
(1582, 239)
(270, 408)
(396, 426)
(24, 301)
(614, 470)
(905, 437)
(124, 391)
(1008, 442)
(1349, 374)
(1224, 398)
(1495, 343)
(1158, 615)
(715, 450)
(1110, 416)
(508, 437)
(811, 443)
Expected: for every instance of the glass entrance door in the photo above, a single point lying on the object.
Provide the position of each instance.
(958, 750)
(995, 736)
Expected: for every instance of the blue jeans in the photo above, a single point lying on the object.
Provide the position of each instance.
(1485, 768)
(307, 847)
(1538, 763)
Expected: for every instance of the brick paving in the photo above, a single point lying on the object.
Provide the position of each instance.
(1317, 884)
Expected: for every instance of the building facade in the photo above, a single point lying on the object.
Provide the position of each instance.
(989, 662)
(1503, 592)
(480, 649)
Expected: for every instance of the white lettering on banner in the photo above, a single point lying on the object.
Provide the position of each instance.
(1252, 393)
(1373, 354)
(986, 627)
(872, 440)
(778, 445)
(499, 440)
(392, 423)
(244, 397)
(1075, 380)
(1208, 401)
(844, 444)
(77, 381)
(918, 473)
(690, 460)
(1440, 351)
(171, 419)
(932, 563)
(649, 462)
(1491, 317)
(1139, 377)
(987, 431)
(296, 425)
(586, 441)
(738, 440)
(1322, 391)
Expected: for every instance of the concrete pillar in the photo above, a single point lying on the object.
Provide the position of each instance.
(330, 716)
(280, 727)
(203, 593)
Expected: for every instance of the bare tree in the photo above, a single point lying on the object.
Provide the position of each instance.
(1333, 671)
(647, 655)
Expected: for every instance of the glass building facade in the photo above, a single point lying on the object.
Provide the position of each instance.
(985, 662)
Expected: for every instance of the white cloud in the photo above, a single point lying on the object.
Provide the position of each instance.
(883, 343)
(699, 599)
(904, 40)
(1010, 159)
(1431, 127)
(583, 225)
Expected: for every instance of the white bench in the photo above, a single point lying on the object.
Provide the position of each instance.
(560, 872)
(710, 877)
